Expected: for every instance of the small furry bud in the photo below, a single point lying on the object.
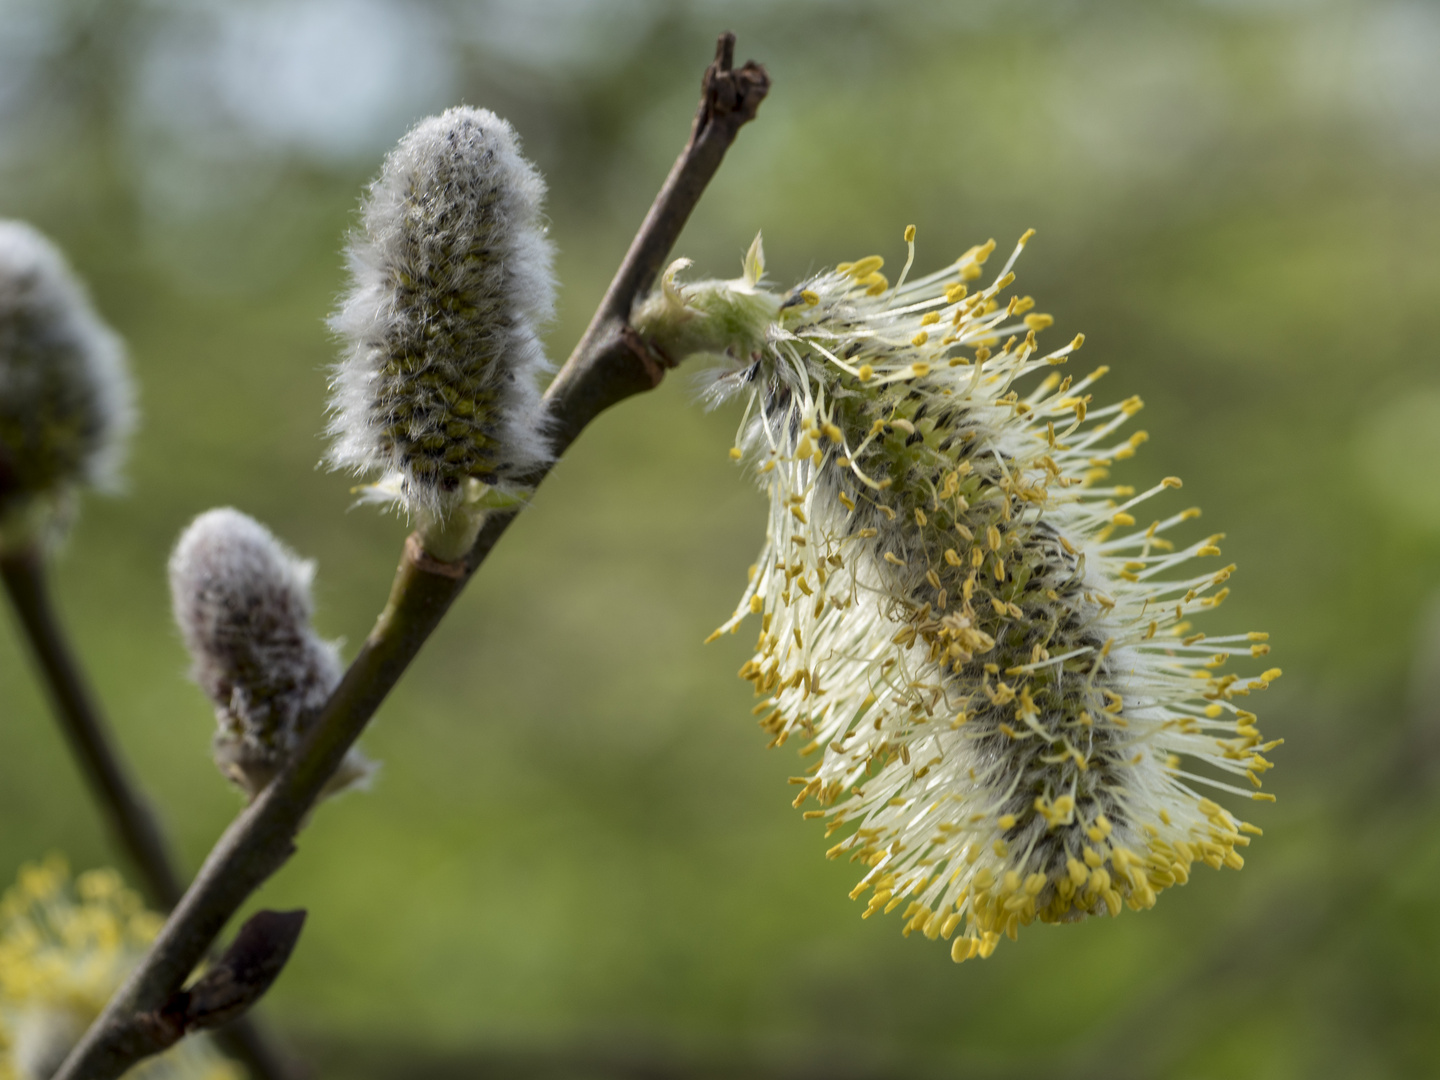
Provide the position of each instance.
(65, 397)
(242, 602)
(451, 275)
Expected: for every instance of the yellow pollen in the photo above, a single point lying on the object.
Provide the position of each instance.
(864, 267)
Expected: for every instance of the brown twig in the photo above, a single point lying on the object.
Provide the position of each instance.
(605, 368)
(130, 819)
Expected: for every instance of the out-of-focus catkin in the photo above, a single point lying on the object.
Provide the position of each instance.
(242, 602)
(450, 279)
(65, 397)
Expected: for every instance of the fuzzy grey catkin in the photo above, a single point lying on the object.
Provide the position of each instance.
(66, 403)
(451, 276)
(242, 601)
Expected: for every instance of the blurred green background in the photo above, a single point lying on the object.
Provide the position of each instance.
(579, 859)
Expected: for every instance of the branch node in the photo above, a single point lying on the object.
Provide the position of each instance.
(424, 561)
(655, 362)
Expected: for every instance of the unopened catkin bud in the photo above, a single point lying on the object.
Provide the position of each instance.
(451, 276)
(242, 601)
(65, 397)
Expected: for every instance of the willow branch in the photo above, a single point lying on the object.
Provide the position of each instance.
(126, 813)
(128, 816)
(608, 365)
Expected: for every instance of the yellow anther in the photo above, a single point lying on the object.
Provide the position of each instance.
(1039, 322)
(1172, 482)
(756, 605)
(846, 501)
(809, 298)
(736, 453)
(1253, 636)
(893, 559)
(798, 514)
(1025, 238)
(953, 557)
(1271, 675)
(920, 370)
(964, 949)
(930, 318)
(866, 372)
(1006, 821)
(1123, 519)
(921, 338)
(909, 234)
(863, 268)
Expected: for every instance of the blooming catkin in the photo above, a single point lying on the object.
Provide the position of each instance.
(962, 616)
(242, 602)
(65, 397)
(451, 277)
(65, 948)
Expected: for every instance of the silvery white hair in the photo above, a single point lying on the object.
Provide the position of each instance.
(242, 601)
(450, 279)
